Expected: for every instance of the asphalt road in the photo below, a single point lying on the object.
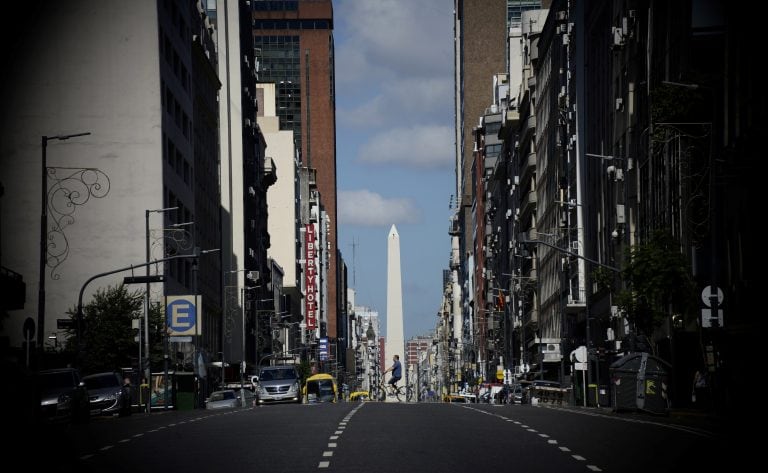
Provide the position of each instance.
(384, 437)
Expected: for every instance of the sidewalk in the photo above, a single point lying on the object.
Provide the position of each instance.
(691, 418)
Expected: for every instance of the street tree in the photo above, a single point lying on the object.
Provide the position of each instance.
(107, 337)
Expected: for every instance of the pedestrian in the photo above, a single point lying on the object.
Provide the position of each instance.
(699, 392)
(125, 398)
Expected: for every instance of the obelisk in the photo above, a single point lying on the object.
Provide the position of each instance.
(395, 342)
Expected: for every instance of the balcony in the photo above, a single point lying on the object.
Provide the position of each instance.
(528, 204)
(576, 303)
(270, 172)
(528, 167)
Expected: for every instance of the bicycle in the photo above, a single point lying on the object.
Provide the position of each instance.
(401, 393)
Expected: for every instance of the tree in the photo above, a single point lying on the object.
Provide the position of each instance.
(659, 283)
(107, 338)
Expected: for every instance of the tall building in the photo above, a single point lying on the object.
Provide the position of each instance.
(480, 29)
(413, 349)
(245, 176)
(138, 83)
(293, 46)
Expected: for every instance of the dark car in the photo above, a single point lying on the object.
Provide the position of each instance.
(63, 395)
(106, 393)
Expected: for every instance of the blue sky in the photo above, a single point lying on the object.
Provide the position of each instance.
(394, 139)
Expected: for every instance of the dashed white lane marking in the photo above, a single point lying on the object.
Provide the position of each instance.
(544, 436)
(171, 425)
(333, 437)
(124, 441)
(338, 432)
(105, 448)
(138, 435)
(327, 453)
(323, 464)
(85, 457)
(332, 445)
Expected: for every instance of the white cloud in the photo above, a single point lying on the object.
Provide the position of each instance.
(402, 37)
(425, 146)
(407, 101)
(363, 207)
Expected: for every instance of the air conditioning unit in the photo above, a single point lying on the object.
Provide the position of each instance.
(550, 348)
(618, 37)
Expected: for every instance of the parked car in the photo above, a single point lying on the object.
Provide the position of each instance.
(106, 393)
(321, 388)
(63, 395)
(229, 398)
(278, 384)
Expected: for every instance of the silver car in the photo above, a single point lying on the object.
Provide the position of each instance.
(105, 392)
(229, 398)
(278, 384)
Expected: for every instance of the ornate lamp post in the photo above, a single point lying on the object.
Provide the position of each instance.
(88, 183)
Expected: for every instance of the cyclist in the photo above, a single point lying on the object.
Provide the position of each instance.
(397, 373)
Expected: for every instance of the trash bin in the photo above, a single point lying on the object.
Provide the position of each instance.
(640, 383)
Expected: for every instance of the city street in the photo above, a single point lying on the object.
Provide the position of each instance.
(386, 437)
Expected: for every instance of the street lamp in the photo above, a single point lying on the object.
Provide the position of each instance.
(147, 369)
(589, 260)
(43, 238)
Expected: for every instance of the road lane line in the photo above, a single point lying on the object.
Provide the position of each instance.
(138, 435)
(553, 442)
(85, 457)
(334, 437)
(104, 449)
(532, 430)
(124, 441)
(338, 432)
(323, 464)
(593, 468)
(327, 453)
(565, 449)
(544, 436)
(332, 445)
(579, 457)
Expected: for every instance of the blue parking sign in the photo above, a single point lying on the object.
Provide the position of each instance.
(182, 315)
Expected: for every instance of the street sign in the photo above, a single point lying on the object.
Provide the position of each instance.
(322, 346)
(183, 315)
(143, 279)
(707, 296)
(64, 324)
(707, 320)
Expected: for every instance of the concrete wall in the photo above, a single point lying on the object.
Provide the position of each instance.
(76, 69)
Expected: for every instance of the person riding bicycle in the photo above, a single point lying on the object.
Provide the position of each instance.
(397, 373)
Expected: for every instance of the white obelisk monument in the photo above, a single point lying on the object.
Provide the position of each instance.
(395, 343)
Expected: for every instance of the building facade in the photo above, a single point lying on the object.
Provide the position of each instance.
(293, 47)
